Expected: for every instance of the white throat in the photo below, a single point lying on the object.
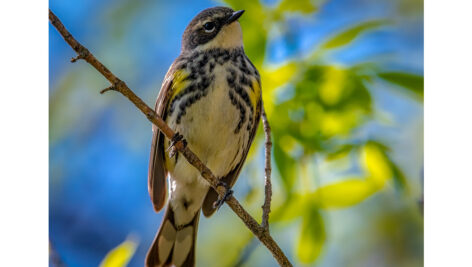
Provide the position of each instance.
(230, 36)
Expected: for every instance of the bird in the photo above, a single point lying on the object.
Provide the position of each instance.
(211, 96)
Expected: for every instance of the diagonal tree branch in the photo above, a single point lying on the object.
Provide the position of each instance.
(118, 85)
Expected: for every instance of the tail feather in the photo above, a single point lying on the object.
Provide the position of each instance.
(174, 246)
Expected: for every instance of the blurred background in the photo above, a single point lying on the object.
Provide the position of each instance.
(343, 89)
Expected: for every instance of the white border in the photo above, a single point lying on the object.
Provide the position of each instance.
(24, 133)
(448, 133)
(24, 138)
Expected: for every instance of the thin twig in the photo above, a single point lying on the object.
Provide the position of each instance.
(109, 88)
(268, 170)
(120, 86)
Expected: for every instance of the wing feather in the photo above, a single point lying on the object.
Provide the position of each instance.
(157, 173)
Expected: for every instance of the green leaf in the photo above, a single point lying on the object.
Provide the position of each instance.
(121, 255)
(343, 194)
(340, 152)
(286, 166)
(345, 37)
(302, 6)
(376, 164)
(399, 178)
(312, 237)
(292, 208)
(276, 77)
(412, 82)
(383, 147)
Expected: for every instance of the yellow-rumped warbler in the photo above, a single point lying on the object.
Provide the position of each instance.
(212, 96)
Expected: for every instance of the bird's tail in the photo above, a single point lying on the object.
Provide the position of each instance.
(174, 245)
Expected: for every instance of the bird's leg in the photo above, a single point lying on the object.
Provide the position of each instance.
(175, 139)
(228, 192)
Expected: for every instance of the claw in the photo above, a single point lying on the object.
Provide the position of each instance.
(228, 193)
(175, 139)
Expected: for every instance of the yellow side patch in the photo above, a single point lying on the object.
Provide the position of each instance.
(178, 83)
(256, 96)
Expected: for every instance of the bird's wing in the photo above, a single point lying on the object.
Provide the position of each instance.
(232, 176)
(157, 173)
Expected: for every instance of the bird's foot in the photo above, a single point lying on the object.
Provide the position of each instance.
(175, 139)
(228, 193)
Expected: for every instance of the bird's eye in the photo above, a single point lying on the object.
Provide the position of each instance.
(209, 26)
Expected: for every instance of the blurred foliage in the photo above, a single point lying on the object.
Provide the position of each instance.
(314, 106)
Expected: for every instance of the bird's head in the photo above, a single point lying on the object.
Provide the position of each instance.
(215, 27)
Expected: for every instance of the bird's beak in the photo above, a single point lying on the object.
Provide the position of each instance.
(235, 16)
